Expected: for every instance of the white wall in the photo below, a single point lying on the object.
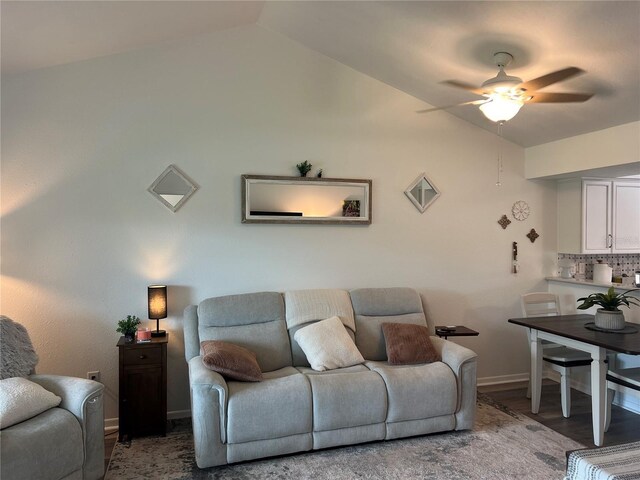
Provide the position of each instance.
(612, 152)
(82, 238)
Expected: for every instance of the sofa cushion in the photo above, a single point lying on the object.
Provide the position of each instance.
(298, 356)
(242, 309)
(231, 361)
(380, 302)
(342, 400)
(48, 445)
(408, 344)
(253, 320)
(369, 337)
(305, 306)
(418, 391)
(278, 406)
(21, 399)
(353, 369)
(373, 307)
(327, 345)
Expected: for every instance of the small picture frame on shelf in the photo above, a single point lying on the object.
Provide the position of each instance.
(351, 208)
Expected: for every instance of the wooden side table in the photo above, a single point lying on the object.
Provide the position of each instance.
(143, 388)
(458, 331)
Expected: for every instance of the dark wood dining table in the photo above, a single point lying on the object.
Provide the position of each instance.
(572, 331)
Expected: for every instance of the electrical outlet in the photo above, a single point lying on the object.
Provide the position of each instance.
(94, 375)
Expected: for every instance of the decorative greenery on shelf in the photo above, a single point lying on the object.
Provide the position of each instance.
(304, 168)
(128, 326)
(609, 301)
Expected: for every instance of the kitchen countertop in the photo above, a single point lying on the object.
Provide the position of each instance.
(591, 283)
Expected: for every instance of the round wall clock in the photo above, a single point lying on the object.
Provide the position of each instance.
(520, 210)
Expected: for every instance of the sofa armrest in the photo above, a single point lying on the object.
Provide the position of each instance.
(83, 398)
(453, 354)
(463, 362)
(209, 394)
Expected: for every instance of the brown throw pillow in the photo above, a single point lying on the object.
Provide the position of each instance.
(408, 344)
(231, 361)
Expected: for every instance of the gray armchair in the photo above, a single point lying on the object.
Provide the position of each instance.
(65, 442)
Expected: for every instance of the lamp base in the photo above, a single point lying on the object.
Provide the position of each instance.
(158, 333)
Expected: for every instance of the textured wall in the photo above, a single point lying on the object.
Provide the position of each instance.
(82, 238)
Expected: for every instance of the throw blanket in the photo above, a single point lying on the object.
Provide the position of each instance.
(606, 463)
(17, 356)
(303, 306)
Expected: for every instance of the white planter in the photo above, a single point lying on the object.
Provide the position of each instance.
(609, 320)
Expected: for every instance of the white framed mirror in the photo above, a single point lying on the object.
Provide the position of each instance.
(173, 188)
(299, 200)
(422, 192)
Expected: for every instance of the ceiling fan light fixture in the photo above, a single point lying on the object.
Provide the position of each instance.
(504, 95)
(500, 108)
(501, 83)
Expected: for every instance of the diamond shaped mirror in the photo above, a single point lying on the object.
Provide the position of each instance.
(422, 192)
(173, 188)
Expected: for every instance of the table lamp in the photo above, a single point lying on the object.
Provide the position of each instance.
(157, 295)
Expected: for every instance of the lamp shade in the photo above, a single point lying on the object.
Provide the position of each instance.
(157, 295)
(501, 109)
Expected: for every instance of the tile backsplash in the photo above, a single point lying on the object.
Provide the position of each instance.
(626, 264)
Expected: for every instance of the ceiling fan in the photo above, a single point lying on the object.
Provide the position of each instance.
(504, 95)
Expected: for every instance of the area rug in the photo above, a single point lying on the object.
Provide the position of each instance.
(503, 445)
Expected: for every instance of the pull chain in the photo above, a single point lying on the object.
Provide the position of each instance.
(499, 180)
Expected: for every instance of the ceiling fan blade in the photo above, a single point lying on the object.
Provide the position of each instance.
(549, 78)
(464, 86)
(539, 97)
(474, 102)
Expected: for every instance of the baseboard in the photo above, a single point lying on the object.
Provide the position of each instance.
(500, 379)
(629, 400)
(111, 424)
(175, 414)
(625, 398)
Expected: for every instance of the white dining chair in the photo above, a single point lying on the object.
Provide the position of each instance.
(628, 378)
(558, 357)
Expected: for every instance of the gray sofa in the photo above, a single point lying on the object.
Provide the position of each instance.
(65, 442)
(296, 408)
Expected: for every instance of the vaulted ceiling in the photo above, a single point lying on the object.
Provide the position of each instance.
(411, 46)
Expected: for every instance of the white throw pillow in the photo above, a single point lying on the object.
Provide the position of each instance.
(21, 399)
(327, 345)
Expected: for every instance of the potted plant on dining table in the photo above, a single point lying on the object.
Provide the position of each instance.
(609, 316)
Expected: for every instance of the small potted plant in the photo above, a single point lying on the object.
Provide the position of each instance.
(304, 168)
(609, 316)
(128, 327)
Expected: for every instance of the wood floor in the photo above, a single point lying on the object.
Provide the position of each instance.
(625, 425)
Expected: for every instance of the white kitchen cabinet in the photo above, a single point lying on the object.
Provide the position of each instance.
(610, 216)
(596, 216)
(569, 211)
(626, 217)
